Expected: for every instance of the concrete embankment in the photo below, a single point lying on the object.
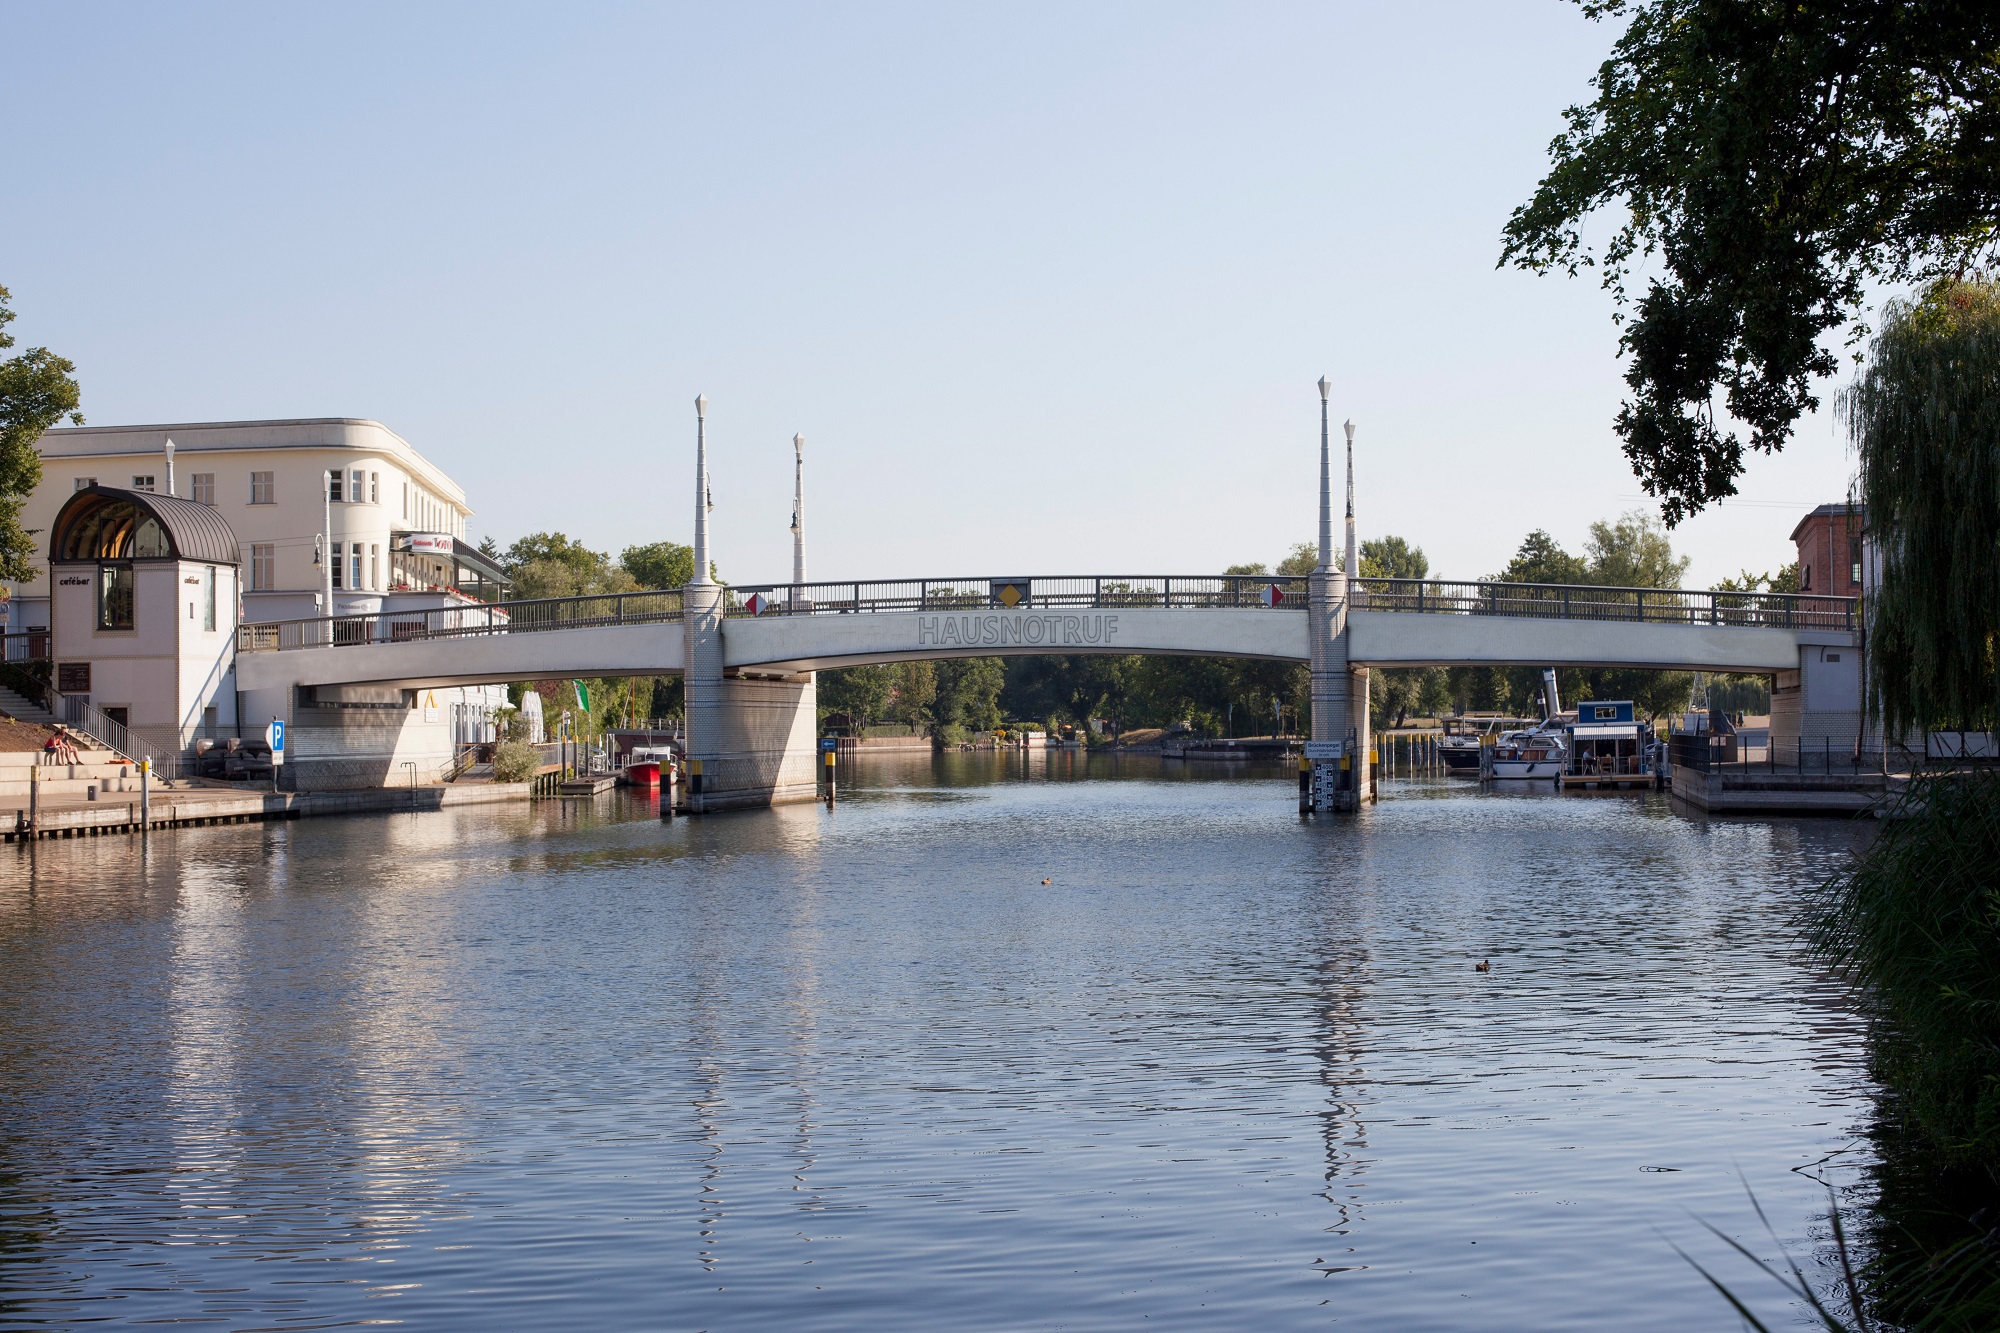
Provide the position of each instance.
(1782, 793)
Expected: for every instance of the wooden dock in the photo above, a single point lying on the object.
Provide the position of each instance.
(196, 807)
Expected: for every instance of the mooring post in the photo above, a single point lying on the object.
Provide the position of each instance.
(694, 786)
(145, 795)
(35, 798)
(831, 780)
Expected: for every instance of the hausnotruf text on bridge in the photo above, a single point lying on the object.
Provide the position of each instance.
(1008, 627)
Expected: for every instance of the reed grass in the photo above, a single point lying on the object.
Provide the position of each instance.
(1915, 923)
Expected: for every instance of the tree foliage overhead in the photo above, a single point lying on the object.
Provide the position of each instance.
(1771, 160)
(1924, 415)
(37, 390)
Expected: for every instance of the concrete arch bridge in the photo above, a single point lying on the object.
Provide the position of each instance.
(748, 654)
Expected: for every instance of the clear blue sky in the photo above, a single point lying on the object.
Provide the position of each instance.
(1046, 289)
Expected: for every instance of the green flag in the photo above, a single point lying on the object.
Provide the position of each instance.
(582, 696)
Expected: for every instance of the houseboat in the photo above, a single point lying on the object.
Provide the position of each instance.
(1609, 748)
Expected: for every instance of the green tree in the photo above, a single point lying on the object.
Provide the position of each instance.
(1768, 163)
(913, 694)
(1541, 560)
(862, 693)
(1300, 561)
(660, 564)
(1633, 551)
(551, 564)
(37, 389)
(968, 696)
(1393, 558)
(1924, 416)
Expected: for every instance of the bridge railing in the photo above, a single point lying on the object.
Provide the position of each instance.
(1067, 591)
(1674, 606)
(1560, 601)
(452, 622)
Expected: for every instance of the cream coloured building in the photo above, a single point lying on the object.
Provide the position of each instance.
(392, 538)
(268, 481)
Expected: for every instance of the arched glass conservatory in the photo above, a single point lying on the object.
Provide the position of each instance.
(111, 529)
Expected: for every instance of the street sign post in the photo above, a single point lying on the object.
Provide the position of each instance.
(274, 736)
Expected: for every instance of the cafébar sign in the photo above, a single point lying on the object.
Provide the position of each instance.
(432, 543)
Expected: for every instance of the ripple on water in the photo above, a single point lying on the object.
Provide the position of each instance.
(575, 1067)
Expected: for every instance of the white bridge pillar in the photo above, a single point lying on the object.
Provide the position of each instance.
(750, 741)
(1339, 758)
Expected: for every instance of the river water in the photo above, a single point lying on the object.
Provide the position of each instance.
(1001, 1043)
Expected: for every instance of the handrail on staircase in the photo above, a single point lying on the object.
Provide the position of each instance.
(79, 715)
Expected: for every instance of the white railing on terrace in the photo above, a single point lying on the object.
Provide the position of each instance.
(1547, 601)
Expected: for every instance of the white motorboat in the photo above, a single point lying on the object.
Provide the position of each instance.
(1527, 754)
(1539, 753)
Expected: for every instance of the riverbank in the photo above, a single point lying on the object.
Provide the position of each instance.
(120, 812)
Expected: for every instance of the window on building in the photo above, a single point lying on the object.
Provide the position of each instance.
(144, 483)
(263, 488)
(208, 598)
(355, 582)
(85, 483)
(263, 566)
(374, 488)
(334, 569)
(1854, 557)
(357, 486)
(406, 502)
(333, 485)
(114, 597)
(204, 488)
(375, 568)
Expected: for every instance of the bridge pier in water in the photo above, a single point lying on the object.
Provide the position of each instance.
(754, 736)
(1341, 779)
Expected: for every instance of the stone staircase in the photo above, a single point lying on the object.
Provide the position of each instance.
(23, 709)
(97, 777)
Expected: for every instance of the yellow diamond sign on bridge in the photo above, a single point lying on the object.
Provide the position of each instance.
(1010, 593)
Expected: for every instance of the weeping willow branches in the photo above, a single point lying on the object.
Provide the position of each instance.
(1924, 416)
